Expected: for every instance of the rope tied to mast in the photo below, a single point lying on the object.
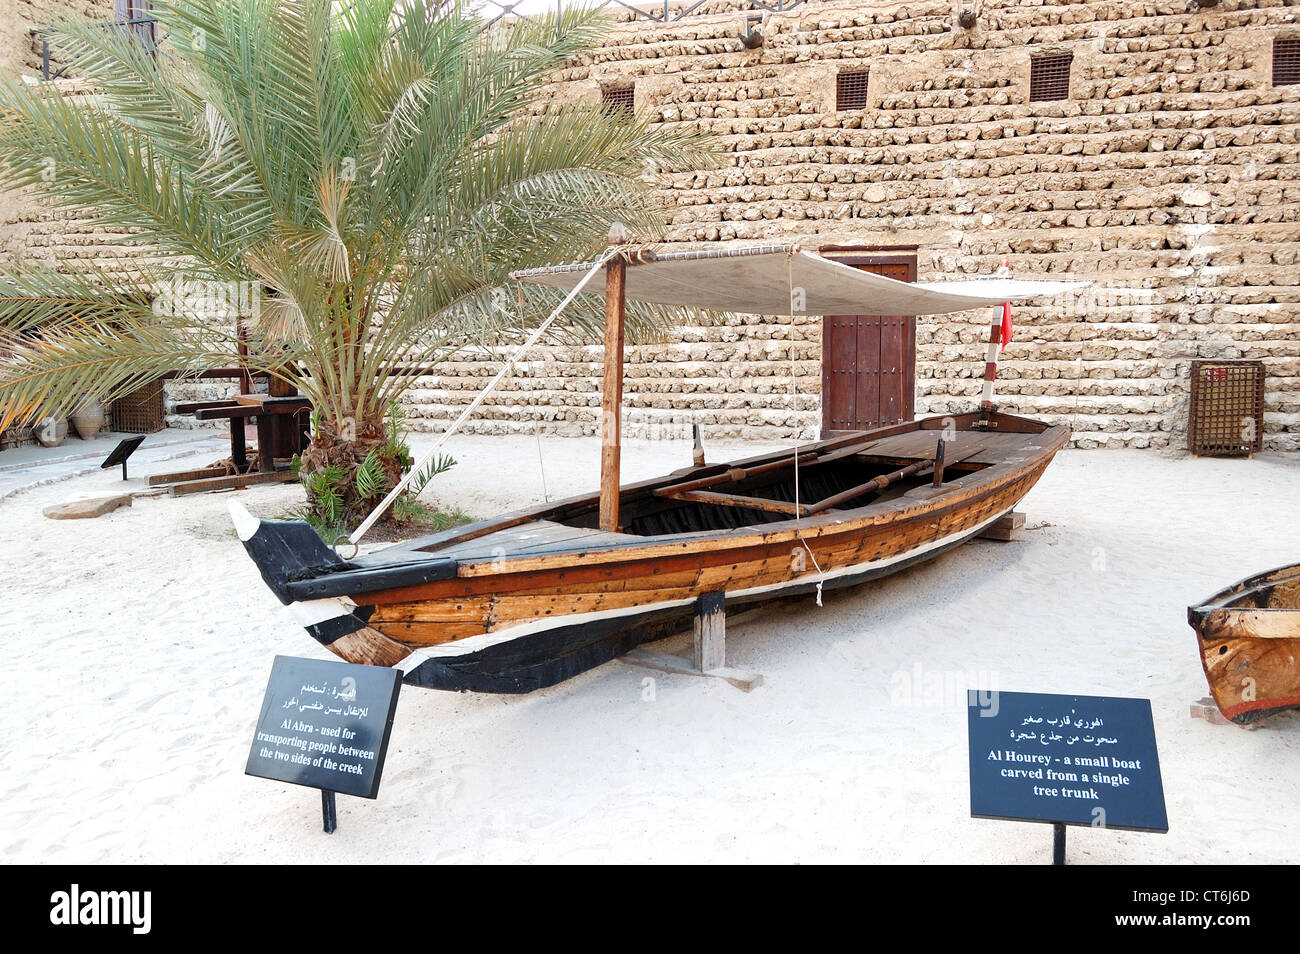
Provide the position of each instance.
(519, 352)
(537, 420)
(794, 399)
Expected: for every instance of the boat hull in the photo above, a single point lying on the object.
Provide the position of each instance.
(1249, 641)
(570, 648)
(511, 614)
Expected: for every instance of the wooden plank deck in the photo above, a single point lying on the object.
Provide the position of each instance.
(993, 448)
(536, 538)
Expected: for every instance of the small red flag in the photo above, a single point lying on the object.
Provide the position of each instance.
(1006, 323)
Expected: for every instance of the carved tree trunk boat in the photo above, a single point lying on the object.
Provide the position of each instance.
(1250, 644)
(529, 599)
(526, 600)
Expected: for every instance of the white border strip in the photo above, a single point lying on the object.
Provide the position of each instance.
(314, 612)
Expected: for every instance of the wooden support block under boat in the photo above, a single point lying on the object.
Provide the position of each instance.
(711, 631)
(665, 662)
(1207, 710)
(1008, 527)
(709, 648)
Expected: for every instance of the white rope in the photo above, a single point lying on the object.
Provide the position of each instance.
(794, 395)
(393, 494)
(541, 464)
(537, 420)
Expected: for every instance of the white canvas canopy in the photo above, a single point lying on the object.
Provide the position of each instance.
(762, 280)
(784, 279)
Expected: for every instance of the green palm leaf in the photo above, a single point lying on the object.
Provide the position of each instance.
(368, 171)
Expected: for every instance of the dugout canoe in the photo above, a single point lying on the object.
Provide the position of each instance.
(526, 600)
(1249, 637)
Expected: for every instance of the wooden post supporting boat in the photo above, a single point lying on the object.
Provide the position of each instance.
(611, 397)
(710, 648)
(711, 631)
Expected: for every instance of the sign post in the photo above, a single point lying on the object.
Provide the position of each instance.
(325, 725)
(1067, 760)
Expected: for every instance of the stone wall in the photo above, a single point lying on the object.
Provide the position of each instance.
(1169, 178)
(27, 226)
(20, 55)
(20, 51)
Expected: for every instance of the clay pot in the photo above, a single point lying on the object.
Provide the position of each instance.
(50, 431)
(88, 418)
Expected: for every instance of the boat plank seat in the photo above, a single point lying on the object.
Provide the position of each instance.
(1005, 447)
(976, 447)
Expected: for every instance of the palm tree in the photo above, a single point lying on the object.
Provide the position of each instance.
(353, 181)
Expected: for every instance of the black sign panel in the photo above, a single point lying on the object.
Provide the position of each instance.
(121, 452)
(325, 724)
(1081, 760)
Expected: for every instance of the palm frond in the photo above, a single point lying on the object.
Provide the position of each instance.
(373, 169)
(439, 465)
(369, 477)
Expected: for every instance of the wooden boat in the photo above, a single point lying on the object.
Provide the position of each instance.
(522, 601)
(529, 599)
(1250, 644)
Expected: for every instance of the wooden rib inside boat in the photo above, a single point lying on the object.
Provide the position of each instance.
(1249, 636)
(525, 600)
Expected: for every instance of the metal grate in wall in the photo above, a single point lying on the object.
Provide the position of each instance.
(1226, 416)
(1049, 77)
(618, 101)
(851, 90)
(1286, 61)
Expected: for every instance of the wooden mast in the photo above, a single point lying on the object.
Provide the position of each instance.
(611, 395)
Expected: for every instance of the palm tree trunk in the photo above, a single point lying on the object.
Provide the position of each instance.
(345, 448)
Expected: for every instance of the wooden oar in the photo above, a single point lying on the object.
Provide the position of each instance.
(732, 474)
(827, 452)
(884, 480)
(879, 483)
(736, 500)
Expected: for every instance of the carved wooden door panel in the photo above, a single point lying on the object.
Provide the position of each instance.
(869, 361)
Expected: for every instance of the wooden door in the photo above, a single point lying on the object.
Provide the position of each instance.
(869, 361)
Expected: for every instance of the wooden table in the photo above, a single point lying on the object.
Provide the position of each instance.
(282, 430)
(281, 421)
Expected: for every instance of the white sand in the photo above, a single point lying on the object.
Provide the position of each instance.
(138, 646)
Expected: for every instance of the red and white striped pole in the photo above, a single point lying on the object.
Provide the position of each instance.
(999, 335)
